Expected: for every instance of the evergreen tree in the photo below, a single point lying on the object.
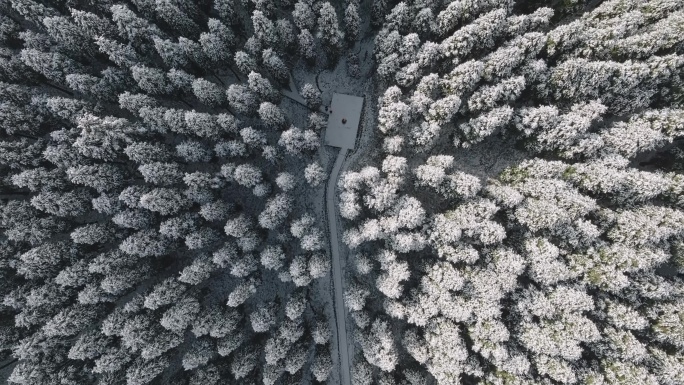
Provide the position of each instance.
(303, 15)
(275, 66)
(351, 22)
(262, 87)
(272, 115)
(242, 99)
(331, 36)
(151, 80)
(307, 45)
(208, 93)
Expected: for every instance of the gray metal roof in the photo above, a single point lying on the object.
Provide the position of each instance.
(345, 108)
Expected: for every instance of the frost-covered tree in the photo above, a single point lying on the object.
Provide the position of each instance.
(242, 99)
(263, 318)
(245, 62)
(272, 115)
(379, 348)
(303, 15)
(314, 174)
(208, 93)
(276, 211)
(351, 22)
(247, 175)
(101, 177)
(243, 363)
(296, 141)
(264, 29)
(142, 371)
(145, 243)
(151, 80)
(161, 173)
(199, 270)
(165, 201)
(311, 95)
(121, 54)
(275, 66)
(200, 353)
(203, 124)
(262, 87)
(194, 152)
(68, 204)
(307, 45)
(92, 233)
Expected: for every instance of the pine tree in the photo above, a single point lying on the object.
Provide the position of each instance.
(92, 233)
(151, 80)
(68, 36)
(264, 29)
(199, 270)
(194, 152)
(133, 28)
(101, 177)
(159, 173)
(303, 15)
(272, 115)
(177, 18)
(275, 66)
(200, 353)
(275, 212)
(242, 99)
(122, 55)
(351, 22)
(68, 204)
(171, 53)
(164, 293)
(314, 174)
(297, 141)
(245, 62)
(208, 93)
(331, 36)
(379, 348)
(312, 96)
(243, 363)
(286, 34)
(262, 87)
(93, 25)
(307, 45)
(142, 371)
(263, 318)
(53, 65)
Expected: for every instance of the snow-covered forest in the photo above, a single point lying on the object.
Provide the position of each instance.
(513, 212)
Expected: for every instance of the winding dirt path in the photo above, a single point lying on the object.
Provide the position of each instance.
(339, 308)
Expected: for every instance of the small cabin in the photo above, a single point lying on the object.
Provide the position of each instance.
(343, 121)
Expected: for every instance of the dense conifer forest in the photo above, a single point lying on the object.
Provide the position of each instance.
(513, 212)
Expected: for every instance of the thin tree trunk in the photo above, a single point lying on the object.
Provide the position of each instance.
(218, 78)
(59, 89)
(9, 363)
(26, 136)
(186, 103)
(14, 192)
(234, 73)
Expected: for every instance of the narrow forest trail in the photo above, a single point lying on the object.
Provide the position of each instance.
(340, 310)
